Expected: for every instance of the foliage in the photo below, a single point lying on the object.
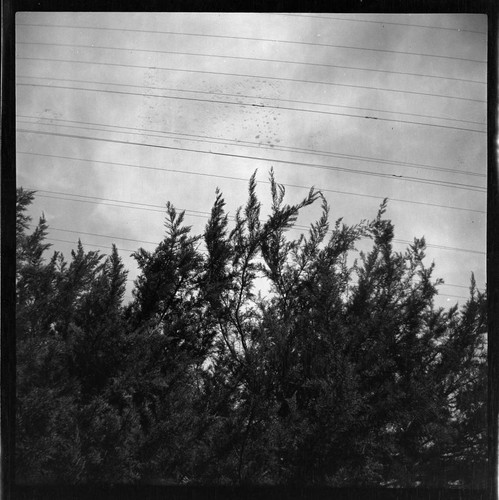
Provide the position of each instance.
(343, 374)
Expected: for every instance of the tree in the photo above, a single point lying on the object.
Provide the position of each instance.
(343, 374)
(69, 349)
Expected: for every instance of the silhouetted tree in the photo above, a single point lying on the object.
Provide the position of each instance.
(344, 373)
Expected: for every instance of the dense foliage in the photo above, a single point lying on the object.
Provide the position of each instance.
(343, 374)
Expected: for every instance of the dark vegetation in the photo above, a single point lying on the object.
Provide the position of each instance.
(344, 375)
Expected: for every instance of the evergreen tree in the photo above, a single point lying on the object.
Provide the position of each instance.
(69, 351)
(344, 374)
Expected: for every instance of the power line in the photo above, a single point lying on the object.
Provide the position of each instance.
(229, 37)
(282, 108)
(249, 144)
(202, 214)
(244, 75)
(156, 243)
(407, 242)
(132, 251)
(106, 236)
(103, 236)
(89, 244)
(92, 200)
(221, 56)
(288, 162)
(386, 22)
(239, 96)
(442, 247)
(455, 296)
(453, 285)
(246, 180)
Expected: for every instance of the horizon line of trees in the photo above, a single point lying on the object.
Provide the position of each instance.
(343, 375)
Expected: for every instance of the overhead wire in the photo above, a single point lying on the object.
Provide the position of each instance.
(389, 23)
(132, 251)
(258, 98)
(284, 108)
(85, 243)
(187, 172)
(242, 58)
(269, 40)
(89, 244)
(455, 296)
(196, 213)
(447, 184)
(225, 141)
(244, 75)
(53, 228)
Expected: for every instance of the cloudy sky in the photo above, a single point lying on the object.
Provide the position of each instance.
(119, 113)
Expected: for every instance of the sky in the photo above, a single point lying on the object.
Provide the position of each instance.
(118, 113)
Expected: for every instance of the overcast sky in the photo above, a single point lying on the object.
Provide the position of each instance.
(360, 106)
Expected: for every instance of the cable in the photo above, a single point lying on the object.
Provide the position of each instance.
(243, 75)
(456, 296)
(249, 144)
(229, 37)
(146, 207)
(156, 243)
(282, 108)
(132, 251)
(246, 180)
(386, 22)
(408, 242)
(202, 214)
(102, 236)
(90, 245)
(442, 247)
(199, 54)
(111, 237)
(458, 286)
(447, 184)
(239, 96)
